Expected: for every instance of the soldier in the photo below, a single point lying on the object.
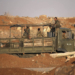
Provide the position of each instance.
(39, 34)
(63, 35)
(27, 32)
(56, 25)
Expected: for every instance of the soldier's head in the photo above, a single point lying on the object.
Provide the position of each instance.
(55, 18)
(38, 29)
(63, 32)
(27, 27)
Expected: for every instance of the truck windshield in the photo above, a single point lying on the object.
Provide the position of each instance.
(66, 35)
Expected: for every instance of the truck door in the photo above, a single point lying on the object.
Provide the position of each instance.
(73, 36)
(67, 42)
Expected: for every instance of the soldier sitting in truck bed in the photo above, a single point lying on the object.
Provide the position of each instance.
(63, 35)
(39, 34)
(27, 32)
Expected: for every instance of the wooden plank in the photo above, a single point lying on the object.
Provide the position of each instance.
(48, 42)
(62, 54)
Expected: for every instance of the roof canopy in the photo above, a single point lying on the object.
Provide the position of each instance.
(23, 25)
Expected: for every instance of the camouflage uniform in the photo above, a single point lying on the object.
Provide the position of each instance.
(63, 36)
(57, 26)
(26, 33)
(39, 34)
(57, 23)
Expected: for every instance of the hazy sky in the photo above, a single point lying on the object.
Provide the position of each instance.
(33, 8)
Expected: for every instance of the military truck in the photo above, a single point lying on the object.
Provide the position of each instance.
(63, 41)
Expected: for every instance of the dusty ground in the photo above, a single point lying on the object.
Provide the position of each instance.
(44, 60)
(13, 65)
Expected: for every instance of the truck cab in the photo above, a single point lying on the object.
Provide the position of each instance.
(65, 41)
